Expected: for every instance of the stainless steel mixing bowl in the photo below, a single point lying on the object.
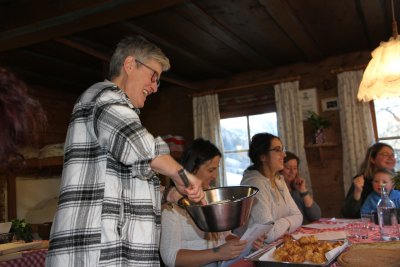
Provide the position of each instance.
(228, 208)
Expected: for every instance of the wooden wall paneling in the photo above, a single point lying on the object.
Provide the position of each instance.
(327, 184)
(58, 106)
(311, 74)
(169, 112)
(11, 197)
(3, 204)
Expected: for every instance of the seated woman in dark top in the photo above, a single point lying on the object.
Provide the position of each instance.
(21, 116)
(298, 189)
(379, 155)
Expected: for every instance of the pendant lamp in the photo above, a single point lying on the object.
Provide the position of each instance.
(381, 78)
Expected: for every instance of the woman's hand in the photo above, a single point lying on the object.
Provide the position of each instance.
(259, 242)
(359, 183)
(358, 186)
(231, 249)
(194, 191)
(300, 184)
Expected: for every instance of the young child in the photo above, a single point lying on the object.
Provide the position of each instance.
(381, 176)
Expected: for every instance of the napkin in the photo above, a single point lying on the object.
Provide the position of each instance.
(323, 226)
(332, 235)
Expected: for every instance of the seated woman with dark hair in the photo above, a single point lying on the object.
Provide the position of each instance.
(379, 155)
(182, 242)
(298, 189)
(21, 116)
(273, 202)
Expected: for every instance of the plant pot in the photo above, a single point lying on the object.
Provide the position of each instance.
(318, 137)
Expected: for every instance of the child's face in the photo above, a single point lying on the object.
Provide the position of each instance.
(380, 178)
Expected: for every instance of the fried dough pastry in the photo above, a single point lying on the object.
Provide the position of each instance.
(307, 248)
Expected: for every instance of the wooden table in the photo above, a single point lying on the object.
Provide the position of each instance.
(27, 254)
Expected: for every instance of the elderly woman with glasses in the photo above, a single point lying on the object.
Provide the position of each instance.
(379, 155)
(273, 202)
(109, 210)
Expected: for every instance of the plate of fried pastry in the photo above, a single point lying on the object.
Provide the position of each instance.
(306, 251)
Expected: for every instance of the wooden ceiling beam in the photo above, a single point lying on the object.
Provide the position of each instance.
(106, 58)
(62, 23)
(85, 49)
(162, 42)
(374, 23)
(284, 17)
(50, 81)
(198, 15)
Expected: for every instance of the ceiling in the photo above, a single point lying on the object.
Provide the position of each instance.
(66, 44)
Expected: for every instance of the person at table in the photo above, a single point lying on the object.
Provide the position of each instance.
(22, 117)
(109, 209)
(273, 202)
(182, 242)
(381, 176)
(298, 189)
(379, 155)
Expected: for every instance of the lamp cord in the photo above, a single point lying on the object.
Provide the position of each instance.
(394, 23)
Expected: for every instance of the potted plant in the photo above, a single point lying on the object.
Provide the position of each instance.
(22, 230)
(318, 123)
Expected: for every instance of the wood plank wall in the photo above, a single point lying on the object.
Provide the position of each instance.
(169, 112)
(58, 106)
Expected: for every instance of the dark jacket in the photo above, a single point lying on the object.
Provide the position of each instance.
(351, 207)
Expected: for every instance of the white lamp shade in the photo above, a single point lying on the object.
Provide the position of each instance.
(381, 78)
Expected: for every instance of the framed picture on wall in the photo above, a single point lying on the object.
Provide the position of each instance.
(330, 103)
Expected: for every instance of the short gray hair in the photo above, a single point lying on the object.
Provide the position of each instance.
(138, 47)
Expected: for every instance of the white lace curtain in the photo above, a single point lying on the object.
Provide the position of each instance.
(290, 123)
(206, 125)
(355, 123)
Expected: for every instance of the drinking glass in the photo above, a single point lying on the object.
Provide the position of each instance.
(363, 226)
(369, 219)
(353, 231)
(357, 230)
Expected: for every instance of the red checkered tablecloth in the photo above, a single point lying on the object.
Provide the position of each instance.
(31, 258)
(373, 234)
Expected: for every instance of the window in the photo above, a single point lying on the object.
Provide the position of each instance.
(236, 135)
(387, 113)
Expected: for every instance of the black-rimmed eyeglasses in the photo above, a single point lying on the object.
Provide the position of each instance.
(278, 149)
(154, 76)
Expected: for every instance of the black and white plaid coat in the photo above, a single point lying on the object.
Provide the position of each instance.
(109, 207)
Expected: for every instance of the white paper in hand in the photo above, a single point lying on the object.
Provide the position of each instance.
(250, 235)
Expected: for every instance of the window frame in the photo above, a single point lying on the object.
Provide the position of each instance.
(225, 176)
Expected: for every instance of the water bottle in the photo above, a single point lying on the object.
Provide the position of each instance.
(387, 216)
